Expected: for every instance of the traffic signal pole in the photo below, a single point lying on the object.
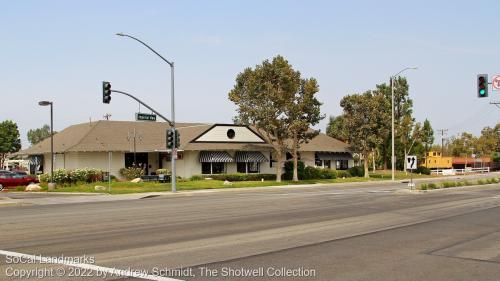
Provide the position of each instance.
(172, 105)
(173, 154)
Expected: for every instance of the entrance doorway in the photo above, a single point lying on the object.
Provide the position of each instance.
(141, 160)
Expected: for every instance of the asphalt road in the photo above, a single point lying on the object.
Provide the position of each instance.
(370, 231)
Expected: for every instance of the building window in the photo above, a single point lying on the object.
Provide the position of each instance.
(253, 167)
(327, 164)
(342, 164)
(208, 168)
(271, 161)
(241, 167)
(250, 167)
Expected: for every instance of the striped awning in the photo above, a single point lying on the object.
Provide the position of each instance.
(249, 156)
(215, 157)
(333, 156)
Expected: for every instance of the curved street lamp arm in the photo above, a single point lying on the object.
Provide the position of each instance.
(404, 70)
(147, 106)
(126, 35)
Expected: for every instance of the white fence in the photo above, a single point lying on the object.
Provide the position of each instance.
(451, 172)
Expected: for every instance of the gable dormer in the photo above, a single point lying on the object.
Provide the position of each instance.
(229, 133)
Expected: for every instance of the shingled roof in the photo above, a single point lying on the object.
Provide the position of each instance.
(104, 136)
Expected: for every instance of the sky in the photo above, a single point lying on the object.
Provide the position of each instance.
(62, 51)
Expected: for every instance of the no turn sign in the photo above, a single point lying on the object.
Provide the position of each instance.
(495, 83)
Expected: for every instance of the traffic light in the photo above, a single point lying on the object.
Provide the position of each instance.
(177, 139)
(170, 139)
(106, 92)
(482, 85)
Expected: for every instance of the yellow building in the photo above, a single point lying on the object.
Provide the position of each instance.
(434, 160)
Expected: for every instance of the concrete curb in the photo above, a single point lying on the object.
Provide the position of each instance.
(418, 191)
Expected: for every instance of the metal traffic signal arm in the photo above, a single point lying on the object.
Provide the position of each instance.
(145, 105)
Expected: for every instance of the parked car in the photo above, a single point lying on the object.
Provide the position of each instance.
(12, 180)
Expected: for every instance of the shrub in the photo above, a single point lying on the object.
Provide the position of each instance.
(288, 175)
(63, 176)
(162, 172)
(423, 186)
(466, 183)
(242, 177)
(448, 184)
(481, 182)
(357, 171)
(196, 178)
(328, 174)
(423, 170)
(432, 186)
(312, 173)
(343, 174)
(131, 173)
(44, 178)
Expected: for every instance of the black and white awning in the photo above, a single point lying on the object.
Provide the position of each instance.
(215, 157)
(249, 156)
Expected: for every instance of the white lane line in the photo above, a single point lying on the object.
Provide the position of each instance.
(115, 272)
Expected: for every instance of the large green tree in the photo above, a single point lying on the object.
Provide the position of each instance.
(303, 112)
(403, 120)
(365, 118)
(262, 96)
(462, 145)
(489, 141)
(427, 135)
(336, 128)
(37, 135)
(9, 139)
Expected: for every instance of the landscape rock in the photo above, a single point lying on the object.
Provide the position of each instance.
(33, 187)
(136, 180)
(226, 182)
(99, 188)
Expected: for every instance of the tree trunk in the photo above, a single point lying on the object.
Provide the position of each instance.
(365, 164)
(2, 159)
(384, 154)
(373, 159)
(279, 155)
(295, 159)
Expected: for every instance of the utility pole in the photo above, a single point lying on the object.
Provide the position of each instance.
(134, 136)
(443, 132)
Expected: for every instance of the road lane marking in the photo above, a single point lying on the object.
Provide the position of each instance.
(114, 271)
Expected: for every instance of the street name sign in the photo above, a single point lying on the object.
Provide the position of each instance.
(495, 83)
(145, 117)
(411, 162)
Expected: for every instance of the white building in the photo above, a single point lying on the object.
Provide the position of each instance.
(204, 149)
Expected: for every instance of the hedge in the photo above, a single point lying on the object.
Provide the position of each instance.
(63, 176)
(236, 177)
(131, 173)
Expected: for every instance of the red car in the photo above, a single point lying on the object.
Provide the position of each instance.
(14, 179)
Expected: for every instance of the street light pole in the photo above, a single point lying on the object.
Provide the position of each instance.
(393, 157)
(46, 103)
(172, 107)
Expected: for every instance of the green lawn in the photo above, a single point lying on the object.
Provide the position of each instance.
(128, 187)
(400, 175)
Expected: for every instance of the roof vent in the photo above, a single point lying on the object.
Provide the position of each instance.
(231, 133)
